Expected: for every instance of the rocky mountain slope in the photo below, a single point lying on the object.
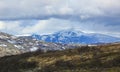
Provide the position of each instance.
(7, 48)
(103, 58)
(10, 44)
(8, 51)
(76, 37)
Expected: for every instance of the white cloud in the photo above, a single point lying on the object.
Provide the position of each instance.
(55, 15)
(53, 25)
(2, 26)
(40, 25)
(12, 27)
(47, 26)
(36, 8)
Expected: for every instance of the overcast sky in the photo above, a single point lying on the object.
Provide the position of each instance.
(48, 16)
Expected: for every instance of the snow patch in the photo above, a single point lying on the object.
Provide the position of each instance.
(12, 42)
(19, 47)
(3, 45)
(33, 49)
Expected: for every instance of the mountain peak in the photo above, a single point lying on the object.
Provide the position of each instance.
(69, 32)
(23, 35)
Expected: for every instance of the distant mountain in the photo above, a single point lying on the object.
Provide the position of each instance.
(76, 37)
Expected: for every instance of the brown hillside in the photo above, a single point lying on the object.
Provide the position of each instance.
(103, 58)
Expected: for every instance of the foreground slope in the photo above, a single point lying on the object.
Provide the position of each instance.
(104, 58)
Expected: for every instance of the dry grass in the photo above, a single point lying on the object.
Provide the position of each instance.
(104, 58)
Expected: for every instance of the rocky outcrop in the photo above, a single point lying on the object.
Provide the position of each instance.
(8, 51)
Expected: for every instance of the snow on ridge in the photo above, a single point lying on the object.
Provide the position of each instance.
(23, 35)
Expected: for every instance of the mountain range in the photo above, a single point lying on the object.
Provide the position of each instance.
(61, 40)
(76, 37)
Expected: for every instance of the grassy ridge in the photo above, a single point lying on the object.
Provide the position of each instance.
(104, 58)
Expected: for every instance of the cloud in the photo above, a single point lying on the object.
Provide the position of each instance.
(2, 25)
(48, 16)
(48, 26)
(34, 26)
(44, 9)
(11, 27)
(53, 25)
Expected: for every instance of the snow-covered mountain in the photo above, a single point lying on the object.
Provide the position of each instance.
(10, 45)
(76, 37)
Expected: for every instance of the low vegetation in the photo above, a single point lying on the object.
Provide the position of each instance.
(103, 58)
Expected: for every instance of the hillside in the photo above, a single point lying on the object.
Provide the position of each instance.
(6, 48)
(8, 51)
(103, 58)
(11, 45)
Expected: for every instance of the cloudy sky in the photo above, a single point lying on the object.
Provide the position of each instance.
(48, 16)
